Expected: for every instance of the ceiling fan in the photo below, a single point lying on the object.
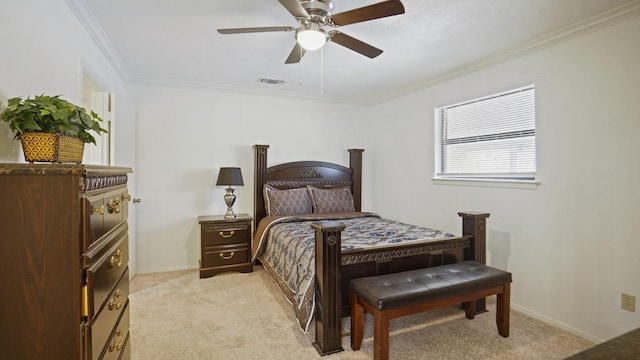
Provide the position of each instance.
(314, 15)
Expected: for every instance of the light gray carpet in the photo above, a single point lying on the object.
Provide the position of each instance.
(176, 315)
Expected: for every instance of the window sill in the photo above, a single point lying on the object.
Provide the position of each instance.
(507, 184)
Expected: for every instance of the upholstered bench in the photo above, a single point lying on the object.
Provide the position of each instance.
(410, 292)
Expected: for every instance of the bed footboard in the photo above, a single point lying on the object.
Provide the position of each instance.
(328, 263)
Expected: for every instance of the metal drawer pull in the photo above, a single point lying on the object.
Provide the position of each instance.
(99, 210)
(227, 257)
(226, 236)
(116, 260)
(113, 304)
(114, 206)
(113, 345)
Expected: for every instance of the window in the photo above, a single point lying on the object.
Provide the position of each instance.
(493, 137)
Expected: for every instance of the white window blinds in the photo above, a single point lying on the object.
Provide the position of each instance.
(493, 137)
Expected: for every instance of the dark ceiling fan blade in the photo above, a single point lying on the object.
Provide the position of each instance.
(354, 44)
(296, 54)
(255, 29)
(371, 12)
(294, 7)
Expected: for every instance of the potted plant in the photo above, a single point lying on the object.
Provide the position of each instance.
(51, 129)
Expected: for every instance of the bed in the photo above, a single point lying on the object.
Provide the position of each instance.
(312, 238)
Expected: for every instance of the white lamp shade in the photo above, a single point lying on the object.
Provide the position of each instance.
(311, 39)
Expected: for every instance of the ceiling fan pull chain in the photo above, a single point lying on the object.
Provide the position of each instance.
(300, 66)
(322, 71)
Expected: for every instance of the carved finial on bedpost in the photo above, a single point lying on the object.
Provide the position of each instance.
(355, 163)
(475, 224)
(260, 178)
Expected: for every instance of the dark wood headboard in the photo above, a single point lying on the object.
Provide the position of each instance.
(302, 173)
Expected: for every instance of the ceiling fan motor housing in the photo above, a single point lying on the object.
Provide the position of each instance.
(317, 9)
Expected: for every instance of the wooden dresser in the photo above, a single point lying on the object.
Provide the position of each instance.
(64, 279)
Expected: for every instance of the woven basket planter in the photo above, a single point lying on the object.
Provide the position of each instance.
(51, 147)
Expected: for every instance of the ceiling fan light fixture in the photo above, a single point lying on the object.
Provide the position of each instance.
(311, 36)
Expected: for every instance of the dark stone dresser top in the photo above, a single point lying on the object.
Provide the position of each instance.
(60, 169)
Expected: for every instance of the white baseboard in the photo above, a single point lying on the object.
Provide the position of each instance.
(164, 269)
(558, 324)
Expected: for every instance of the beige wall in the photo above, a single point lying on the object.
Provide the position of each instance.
(187, 135)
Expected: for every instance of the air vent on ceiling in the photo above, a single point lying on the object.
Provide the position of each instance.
(271, 81)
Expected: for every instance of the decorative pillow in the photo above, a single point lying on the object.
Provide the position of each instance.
(286, 202)
(331, 200)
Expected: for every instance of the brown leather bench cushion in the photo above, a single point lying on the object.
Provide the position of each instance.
(416, 286)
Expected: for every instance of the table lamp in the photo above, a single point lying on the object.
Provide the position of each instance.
(230, 176)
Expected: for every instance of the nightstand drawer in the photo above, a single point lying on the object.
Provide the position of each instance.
(224, 235)
(227, 255)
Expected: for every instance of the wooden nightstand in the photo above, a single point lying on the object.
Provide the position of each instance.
(225, 244)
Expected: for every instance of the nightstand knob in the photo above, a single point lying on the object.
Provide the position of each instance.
(226, 235)
(227, 257)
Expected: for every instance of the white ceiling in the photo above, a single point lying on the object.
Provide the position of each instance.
(175, 42)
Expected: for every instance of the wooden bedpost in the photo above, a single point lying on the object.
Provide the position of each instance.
(355, 163)
(474, 224)
(328, 281)
(259, 179)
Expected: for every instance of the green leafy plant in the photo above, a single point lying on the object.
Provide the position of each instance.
(51, 114)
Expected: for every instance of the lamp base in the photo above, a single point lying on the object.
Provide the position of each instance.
(229, 214)
(230, 199)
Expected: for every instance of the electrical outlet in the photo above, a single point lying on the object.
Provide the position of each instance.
(628, 302)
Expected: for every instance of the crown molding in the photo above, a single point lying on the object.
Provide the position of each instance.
(90, 23)
(242, 90)
(606, 19)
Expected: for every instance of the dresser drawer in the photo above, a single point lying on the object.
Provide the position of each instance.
(104, 273)
(126, 351)
(103, 212)
(227, 255)
(118, 345)
(213, 235)
(105, 321)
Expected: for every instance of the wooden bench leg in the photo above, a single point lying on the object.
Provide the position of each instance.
(357, 323)
(380, 336)
(503, 309)
(470, 309)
